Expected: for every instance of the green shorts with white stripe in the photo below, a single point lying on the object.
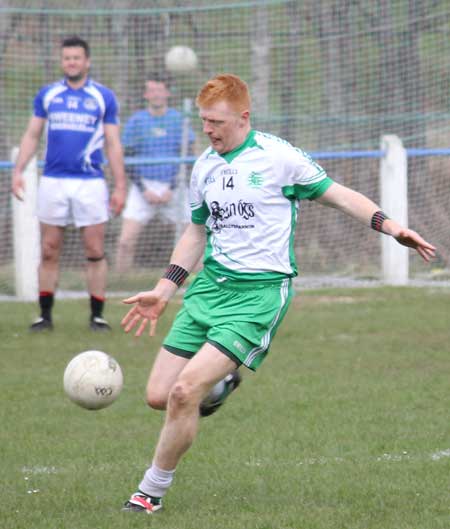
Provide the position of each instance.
(239, 317)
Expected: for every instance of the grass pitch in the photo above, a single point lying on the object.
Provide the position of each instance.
(345, 426)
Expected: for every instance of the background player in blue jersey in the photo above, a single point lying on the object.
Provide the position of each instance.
(154, 132)
(80, 116)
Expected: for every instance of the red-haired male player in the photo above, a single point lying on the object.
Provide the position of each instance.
(245, 189)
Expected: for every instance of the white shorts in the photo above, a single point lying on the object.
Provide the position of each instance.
(137, 208)
(78, 201)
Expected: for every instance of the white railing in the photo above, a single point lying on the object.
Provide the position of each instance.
(394, 201)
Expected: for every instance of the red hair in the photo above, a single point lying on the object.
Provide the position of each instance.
(225, 87)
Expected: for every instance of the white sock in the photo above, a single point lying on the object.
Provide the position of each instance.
(156, 481)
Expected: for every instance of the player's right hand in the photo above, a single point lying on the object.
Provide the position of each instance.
(117, 201)
(18, 186)
(148, 306)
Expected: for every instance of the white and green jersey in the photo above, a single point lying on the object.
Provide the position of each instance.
(248, 200)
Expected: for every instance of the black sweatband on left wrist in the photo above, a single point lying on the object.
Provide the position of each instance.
(377, 220)
(176, 274)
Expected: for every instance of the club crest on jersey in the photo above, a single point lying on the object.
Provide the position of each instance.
(90, 103)
(72, 102)
(255, 179)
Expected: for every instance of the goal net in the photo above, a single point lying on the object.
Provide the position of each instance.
(329, 76)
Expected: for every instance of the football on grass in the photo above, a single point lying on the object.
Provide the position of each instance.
(93, 380)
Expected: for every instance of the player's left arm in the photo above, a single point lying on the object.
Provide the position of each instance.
(367, 212)
(114, 153)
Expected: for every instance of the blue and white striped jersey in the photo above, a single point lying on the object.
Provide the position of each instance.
(74, 131)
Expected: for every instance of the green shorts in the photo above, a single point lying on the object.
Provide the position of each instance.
(240, 318)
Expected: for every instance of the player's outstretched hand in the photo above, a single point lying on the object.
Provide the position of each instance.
(148, 307)
(413, 240)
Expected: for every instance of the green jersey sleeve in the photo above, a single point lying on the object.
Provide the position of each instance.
(304, 178)
(308, 191)
(200, 214)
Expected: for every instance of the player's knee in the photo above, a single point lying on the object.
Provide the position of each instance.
(156, 400)
(94, 247)
(126, 244)
(49, 251)
(183, 395)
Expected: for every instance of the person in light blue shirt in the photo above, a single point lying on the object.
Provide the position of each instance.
(157, 131)
(80, 117)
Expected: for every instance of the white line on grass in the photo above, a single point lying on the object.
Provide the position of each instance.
(39, 470)
(386, 457)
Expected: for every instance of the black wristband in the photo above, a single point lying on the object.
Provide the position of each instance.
(176, 274)
(377, 220)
